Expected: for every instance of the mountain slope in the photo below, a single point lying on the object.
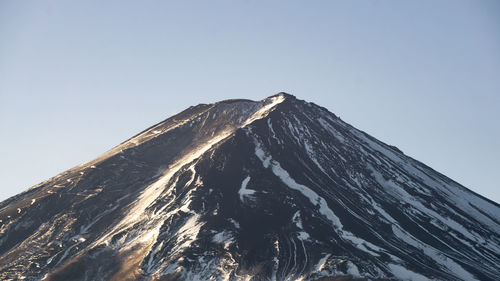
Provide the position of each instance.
(279, 189)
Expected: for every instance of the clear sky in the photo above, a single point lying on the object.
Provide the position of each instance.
(79, 77)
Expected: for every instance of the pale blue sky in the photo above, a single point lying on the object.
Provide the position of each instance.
(79, 77)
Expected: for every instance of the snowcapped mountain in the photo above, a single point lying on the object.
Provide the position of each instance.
(278, 189)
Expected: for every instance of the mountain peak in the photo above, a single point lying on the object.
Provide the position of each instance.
(250, 190)
(283, 94)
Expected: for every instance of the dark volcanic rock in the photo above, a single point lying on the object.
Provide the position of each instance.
(279, 189)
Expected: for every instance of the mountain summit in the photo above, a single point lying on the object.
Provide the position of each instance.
(278, 189)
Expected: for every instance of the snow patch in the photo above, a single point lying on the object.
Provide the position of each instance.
(222, 237)
(329, 128)
(244, 191)
(296, 219)
(322, 262)
(312, 156)
(273, 134)
(263, 111)
(235, 223)
(303, 235)
(404, 274)
(352, 269)
(187, 233)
